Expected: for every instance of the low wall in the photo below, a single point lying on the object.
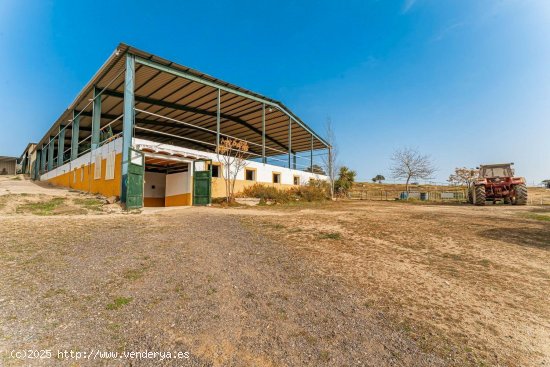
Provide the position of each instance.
(79, 173)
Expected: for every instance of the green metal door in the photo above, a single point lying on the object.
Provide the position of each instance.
(202, 184)
(134, 189)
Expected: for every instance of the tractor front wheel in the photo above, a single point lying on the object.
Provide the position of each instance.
(479, 195)
(521, 195)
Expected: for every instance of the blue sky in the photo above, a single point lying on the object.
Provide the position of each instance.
(467, 82)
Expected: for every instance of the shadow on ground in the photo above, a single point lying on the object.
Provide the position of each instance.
(529, 237)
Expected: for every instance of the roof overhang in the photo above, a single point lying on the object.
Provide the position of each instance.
(174, 100)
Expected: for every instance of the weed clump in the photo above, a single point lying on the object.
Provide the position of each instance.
(41, 208)
(118, 302)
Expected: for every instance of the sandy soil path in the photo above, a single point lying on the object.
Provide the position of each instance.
(195, 280)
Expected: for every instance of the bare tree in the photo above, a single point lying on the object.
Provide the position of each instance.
(463, 176)
(330, 160)
(232, 154)
(408, 163)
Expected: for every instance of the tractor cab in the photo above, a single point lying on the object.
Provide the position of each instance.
(496, 170)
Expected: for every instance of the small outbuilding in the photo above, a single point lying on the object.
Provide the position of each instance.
(8, 165)
(27, 159)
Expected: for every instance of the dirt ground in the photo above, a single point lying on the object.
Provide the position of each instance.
(337, 284)
(469, 283)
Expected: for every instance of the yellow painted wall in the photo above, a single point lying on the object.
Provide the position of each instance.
(153, 202)
(84, 179)
(174, 200)
(178, 200)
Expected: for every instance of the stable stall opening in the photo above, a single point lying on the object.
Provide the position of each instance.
(166, 182)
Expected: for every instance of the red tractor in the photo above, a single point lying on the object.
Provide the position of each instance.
(497, 182)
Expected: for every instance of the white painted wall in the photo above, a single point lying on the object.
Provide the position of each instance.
(158, 180)
(264, 172)
(85, 159)
(177, 184)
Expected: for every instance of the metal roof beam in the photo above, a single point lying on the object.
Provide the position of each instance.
(181, 107)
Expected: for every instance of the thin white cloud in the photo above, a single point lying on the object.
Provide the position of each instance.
(445, 31)
(407, 5)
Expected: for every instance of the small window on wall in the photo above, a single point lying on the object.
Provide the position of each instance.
(216, 170)
(276, 177)
(296, 180)
(250, 174)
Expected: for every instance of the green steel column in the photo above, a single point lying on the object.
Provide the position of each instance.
(51, 147)
(218, 119)
(311, 154)
(37, 164)
(127, 120)
(96, 118)
(289, 142)
(75, 135)
(61, 146)
(43, 158)
(263, 133)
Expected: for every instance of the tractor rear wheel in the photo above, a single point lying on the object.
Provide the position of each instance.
(521, 195)
(479, 195)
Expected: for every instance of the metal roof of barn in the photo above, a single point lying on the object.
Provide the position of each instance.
(167, 93)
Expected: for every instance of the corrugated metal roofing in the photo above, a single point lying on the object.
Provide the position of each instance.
(189, 101)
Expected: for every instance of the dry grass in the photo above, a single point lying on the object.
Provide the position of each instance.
(163, 282)
(92, 204)
(345, 283)
(46, 205)
(471, 283)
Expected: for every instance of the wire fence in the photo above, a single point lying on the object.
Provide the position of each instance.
(535, 197)
(538, 197)
(391, 195)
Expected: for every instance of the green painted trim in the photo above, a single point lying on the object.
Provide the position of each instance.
(51, 146)
(61, 146)
(127, 121)
(75, 132)
(96, 118)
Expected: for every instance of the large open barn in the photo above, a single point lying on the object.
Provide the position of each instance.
(146, 129)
